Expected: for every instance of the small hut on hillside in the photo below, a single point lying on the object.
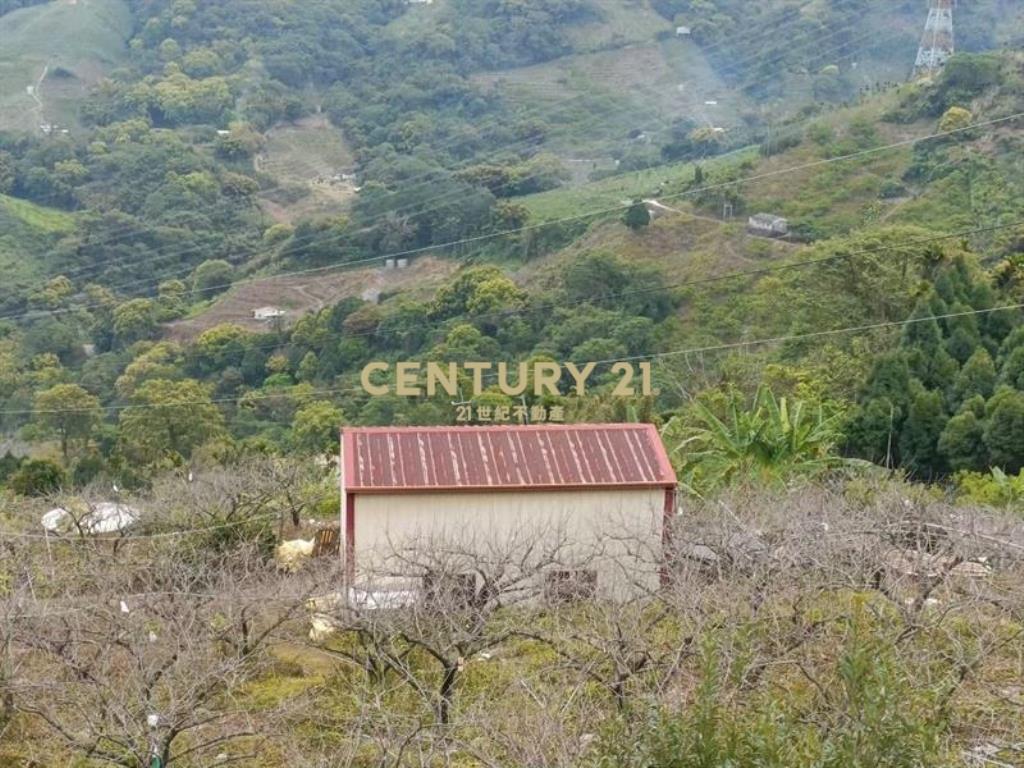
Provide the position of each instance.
(767, 225)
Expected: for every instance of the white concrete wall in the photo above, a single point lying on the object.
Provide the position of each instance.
(617, 533)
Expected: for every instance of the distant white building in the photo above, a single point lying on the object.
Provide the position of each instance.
(768, 225)
(682, 31)
(268, 313)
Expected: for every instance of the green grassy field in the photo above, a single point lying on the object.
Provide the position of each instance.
(300, 152)
(27, 231)
(618, 189)
(14, 212)
(629, 72)
(72, 42)
(622, 22)
(594, 100)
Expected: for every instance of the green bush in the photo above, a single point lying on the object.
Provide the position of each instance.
(994, 489)
(876, 714)
(38, 477)
(891, 188)
(210, 277)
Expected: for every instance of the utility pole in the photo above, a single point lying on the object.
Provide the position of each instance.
(937, 40)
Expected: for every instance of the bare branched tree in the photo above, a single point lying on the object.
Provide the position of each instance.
(142, 650)
(442, 600)
(525, 646)
(264, 492)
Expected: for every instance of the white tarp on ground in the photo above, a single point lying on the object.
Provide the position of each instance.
(382, 599)
(105, 517)
(322, 624)
(55, 519)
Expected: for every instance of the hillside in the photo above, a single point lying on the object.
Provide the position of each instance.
(210, 179)
(312, 168)
(53, 54)
(28, 232)
(600, 99)
(663, 359)
(304, 294)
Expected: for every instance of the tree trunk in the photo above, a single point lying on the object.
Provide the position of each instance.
(6, 709)
(446, 700)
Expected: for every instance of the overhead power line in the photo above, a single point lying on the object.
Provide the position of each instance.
(142, 536)
(405, 182)
(417, 209)
(563, 220)
(628, 358)
(784, 267)
(820, 334)
(424, 179)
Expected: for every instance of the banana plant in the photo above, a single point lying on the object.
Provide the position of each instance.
(773, 439)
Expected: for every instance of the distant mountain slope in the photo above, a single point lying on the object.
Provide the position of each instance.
(52, 53)
(640, 69)
(6, 6)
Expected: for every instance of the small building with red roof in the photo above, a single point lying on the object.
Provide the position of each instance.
(604, 487)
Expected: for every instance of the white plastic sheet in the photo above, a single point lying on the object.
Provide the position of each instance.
(105, 517)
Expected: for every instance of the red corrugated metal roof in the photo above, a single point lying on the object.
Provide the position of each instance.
(395, 459)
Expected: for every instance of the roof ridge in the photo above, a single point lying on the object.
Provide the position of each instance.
(498, 427)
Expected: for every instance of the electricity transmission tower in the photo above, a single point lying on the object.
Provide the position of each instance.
(937, 40)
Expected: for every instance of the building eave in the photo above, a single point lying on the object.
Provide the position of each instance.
(484, 489)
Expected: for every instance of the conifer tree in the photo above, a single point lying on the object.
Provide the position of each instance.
(977, 377)
(919, 438)
(962, 442)
(1012, 372)
(1004, 433)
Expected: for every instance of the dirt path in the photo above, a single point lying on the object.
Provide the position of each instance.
(668, 209)
(36, 88)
